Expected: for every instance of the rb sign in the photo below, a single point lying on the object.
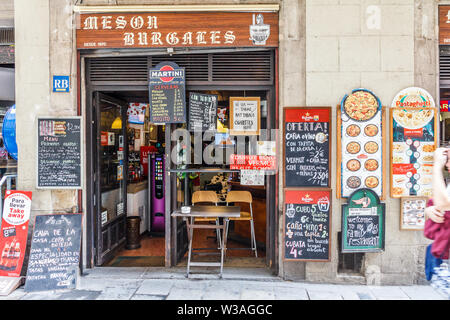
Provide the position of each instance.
(61, 84)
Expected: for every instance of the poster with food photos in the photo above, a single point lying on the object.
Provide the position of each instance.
(360, 133)
(412, 215)
(413, 142)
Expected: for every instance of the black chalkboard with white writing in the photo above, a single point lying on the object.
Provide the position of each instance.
(202, 111)
(307, 147)
(363, 222)
(55, 252)
(307, 219)
(59, 153)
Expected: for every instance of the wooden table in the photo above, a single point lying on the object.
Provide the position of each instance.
(208, 212)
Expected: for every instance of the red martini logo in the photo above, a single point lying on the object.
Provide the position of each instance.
(167, 73)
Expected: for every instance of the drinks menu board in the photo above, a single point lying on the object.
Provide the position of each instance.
(59, 153)
(307, 150)
(307, 217)
(360, 143)
(363, 226)
(413, 142)
(202, 111)
(167, 93)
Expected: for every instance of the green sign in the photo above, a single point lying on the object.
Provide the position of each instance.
(363, 222)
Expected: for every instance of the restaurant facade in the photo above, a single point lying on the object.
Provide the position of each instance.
(277, 79)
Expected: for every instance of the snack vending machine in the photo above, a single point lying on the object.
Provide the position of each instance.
(157, 196)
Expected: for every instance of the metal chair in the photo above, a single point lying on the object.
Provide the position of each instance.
(245, 197)
(207, 197)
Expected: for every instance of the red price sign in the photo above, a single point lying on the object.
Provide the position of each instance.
(252, 162)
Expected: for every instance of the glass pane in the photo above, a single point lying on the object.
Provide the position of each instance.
(112, 161)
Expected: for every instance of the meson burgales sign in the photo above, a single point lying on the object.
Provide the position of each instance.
(193, 29)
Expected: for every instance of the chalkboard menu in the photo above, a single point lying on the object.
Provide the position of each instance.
(167, 93)
(307, 147)
(202, 111)
(59, 153)
(307, 217)
(363, 222)
(55, 252)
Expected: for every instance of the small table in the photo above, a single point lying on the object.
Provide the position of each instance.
(208, 212)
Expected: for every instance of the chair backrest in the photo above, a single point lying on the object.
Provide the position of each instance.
(239, 196)
(204, 196)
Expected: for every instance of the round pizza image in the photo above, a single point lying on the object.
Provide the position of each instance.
(353, 182)
(371, 130)
(371, 182)
(361, 105)
(353, 147)
(371, 147)
(353, 165)
(371, 165)
(353, 130)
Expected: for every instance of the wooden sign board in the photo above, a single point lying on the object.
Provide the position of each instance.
(413, 142)
(245, 116)
(59, 164)
(361, 133)
(183, 29)
(55, 253)
(444, 25)
(363, 222)
(307, 225)
(307, 146)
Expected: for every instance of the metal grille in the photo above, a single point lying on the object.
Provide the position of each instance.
(6, 36)
(236, 68)
(444, 63)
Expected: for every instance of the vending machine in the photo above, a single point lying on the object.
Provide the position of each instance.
(157, 194)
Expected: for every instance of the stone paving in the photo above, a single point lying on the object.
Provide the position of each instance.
(237, 284)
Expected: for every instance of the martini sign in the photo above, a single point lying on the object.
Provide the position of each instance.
(167, 93)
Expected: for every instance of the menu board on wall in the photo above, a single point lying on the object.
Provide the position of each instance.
(363, 226)
(412, 213)
(167, 93)
(413, 142)
(307, 142)
(202, 111)
(360, 144)
(245, 115)
(306, 225)
(59, 153)
(55, 252)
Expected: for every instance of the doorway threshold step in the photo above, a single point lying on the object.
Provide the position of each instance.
(205, 264)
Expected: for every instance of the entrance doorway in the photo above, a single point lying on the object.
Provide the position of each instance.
(111, 98)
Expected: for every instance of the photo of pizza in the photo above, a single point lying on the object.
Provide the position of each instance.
(371, 147)
(371, 182)
(397, 191)
(428, 148)
(353, 130)
(371, 165)
(413, 119)
(361, 105)
(353, 165)
(353, 147)
(353, 182)
(371, 130)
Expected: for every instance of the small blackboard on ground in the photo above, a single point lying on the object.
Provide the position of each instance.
(307, 218)
(55, 253)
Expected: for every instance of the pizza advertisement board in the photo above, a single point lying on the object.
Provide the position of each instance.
(413, 140)
(360, 134)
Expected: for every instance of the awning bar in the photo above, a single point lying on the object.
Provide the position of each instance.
(178, 8)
